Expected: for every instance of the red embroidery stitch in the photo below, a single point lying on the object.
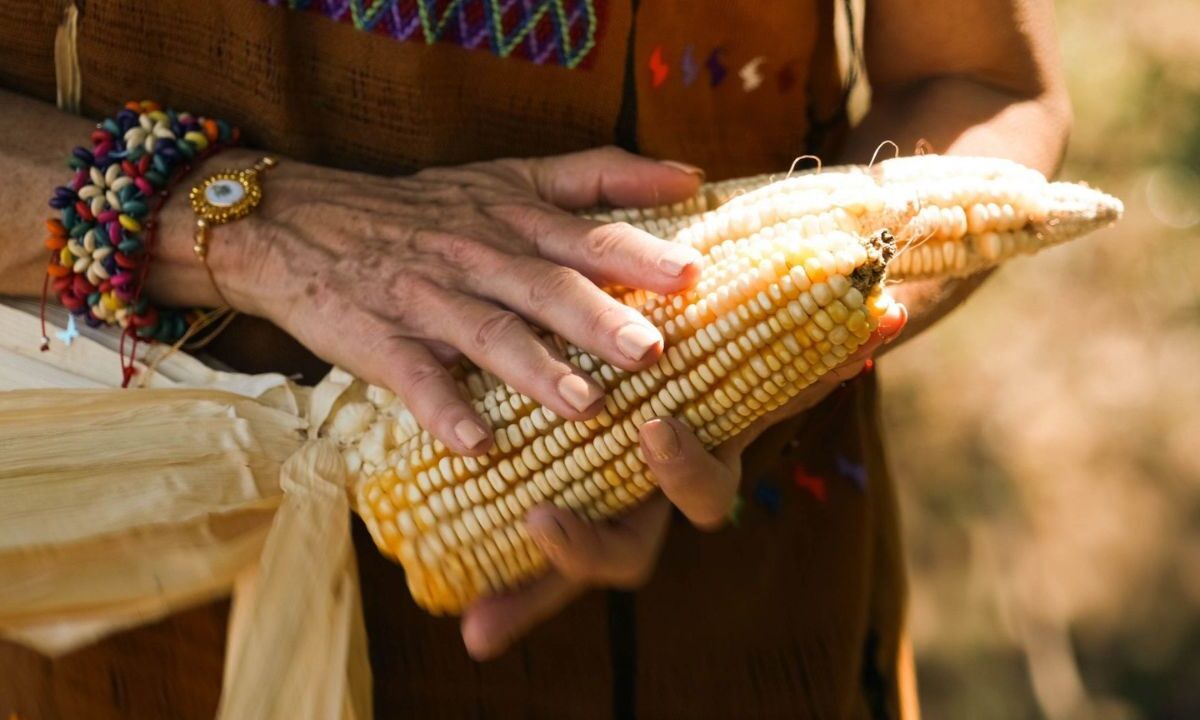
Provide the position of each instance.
(658, 68)
(814, 484)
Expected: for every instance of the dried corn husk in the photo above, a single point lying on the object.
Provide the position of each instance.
(101, 529)
(307, 580)
(97, 523)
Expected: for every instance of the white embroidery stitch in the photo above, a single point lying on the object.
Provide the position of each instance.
(750, 75)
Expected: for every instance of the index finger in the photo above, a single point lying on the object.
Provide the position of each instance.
(611, 176)
(614, 252)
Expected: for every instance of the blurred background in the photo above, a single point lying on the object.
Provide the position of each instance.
(1046, 437)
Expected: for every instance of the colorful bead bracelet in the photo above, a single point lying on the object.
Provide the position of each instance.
(103, 240)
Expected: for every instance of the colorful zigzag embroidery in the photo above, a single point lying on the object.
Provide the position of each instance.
(544, 32)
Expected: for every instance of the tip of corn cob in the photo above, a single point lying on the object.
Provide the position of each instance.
(1075, 209)
(975, 213)
(951, 216)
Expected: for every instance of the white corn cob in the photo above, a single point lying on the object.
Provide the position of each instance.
(971, 213)
(792, 286)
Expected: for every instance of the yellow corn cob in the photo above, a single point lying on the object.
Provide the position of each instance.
(764, 322)
(792, 286)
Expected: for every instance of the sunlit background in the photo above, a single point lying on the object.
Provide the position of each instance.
(1046, 437)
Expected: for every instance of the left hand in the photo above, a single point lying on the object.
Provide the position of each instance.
(622, 553)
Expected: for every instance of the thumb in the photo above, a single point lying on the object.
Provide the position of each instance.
(611, 176)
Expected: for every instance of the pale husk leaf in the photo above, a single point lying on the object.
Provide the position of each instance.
(82, 463)
(119, 507)
(297, 646)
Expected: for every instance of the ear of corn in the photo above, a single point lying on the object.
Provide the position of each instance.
(792, 286)
(767, 319)
(969, 213)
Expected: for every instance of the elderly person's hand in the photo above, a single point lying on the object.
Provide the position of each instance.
(393, 278)
(622, 554)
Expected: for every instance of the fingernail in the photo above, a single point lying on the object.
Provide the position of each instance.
(635, 340)
(479, 646)
(470, 433)
(903, 321)
(676, 259)
(579, 393)
(684, 167)
(550, 535)
(662, 439)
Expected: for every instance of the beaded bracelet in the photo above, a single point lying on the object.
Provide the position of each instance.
(103, 241)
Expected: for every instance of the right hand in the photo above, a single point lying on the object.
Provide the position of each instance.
(393, 278)
(622, 552)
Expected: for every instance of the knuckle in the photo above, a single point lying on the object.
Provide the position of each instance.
(460, 251)
(602, 242)
(526, 228)
(605, 319)
(441, 418)
(416, 379)
(497, 328)
(551, 285)
(526, 217)
(421, 375)
(448, 253)
(409, 300)
(423, 392)
(408, 282)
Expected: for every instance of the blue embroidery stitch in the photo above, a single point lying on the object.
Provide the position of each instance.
(768, 496)
(688, 66)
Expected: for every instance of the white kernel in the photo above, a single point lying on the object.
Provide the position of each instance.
(821, 293)
(352, 421)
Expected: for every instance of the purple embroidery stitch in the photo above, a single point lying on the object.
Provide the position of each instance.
(856, 472)
(716, 70)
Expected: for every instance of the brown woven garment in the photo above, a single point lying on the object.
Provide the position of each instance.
(795, 613)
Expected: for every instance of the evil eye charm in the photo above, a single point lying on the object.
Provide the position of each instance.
(224, 193)
(229, 195)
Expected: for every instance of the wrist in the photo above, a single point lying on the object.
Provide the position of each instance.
(179, 277)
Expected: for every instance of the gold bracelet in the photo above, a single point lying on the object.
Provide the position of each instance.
(222, 198)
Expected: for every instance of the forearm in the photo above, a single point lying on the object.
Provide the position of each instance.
(34, 141)
(960, 117)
